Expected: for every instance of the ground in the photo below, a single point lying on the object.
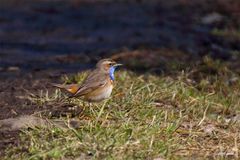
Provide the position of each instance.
(175, 98)
(191, 113)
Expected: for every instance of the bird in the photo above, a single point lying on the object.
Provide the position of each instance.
(97, 86)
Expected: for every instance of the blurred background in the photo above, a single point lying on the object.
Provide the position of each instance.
(148, 35)
(42, 40)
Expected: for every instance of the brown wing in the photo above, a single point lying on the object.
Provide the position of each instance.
(94, 80)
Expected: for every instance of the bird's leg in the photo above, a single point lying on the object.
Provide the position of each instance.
(102, 109)
(90, 106)
(82, 107)
(87, 105)
(69, 100)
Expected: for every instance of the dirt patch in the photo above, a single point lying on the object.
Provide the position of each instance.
(16, 109)
(27, 121)
(10, 128)
(14, 124)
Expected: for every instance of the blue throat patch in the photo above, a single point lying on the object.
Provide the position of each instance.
(111, 72)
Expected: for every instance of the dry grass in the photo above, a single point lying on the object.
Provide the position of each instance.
(147, 117)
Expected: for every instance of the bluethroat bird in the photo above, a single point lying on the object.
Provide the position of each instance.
(97, 86)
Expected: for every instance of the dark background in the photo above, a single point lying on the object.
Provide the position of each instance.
(72, 34)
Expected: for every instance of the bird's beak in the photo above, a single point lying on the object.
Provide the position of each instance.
(117, 64)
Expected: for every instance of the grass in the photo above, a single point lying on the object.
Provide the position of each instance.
(148, 117)
(233, 34)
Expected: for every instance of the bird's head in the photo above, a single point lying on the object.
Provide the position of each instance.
(108, 66)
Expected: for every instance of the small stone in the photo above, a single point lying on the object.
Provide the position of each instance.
(13, 69)
(212, 18)
(209, 129)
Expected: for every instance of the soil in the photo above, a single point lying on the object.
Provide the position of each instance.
(42, 40)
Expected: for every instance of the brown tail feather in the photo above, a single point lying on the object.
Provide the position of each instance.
(61, 86)
(71, 88)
